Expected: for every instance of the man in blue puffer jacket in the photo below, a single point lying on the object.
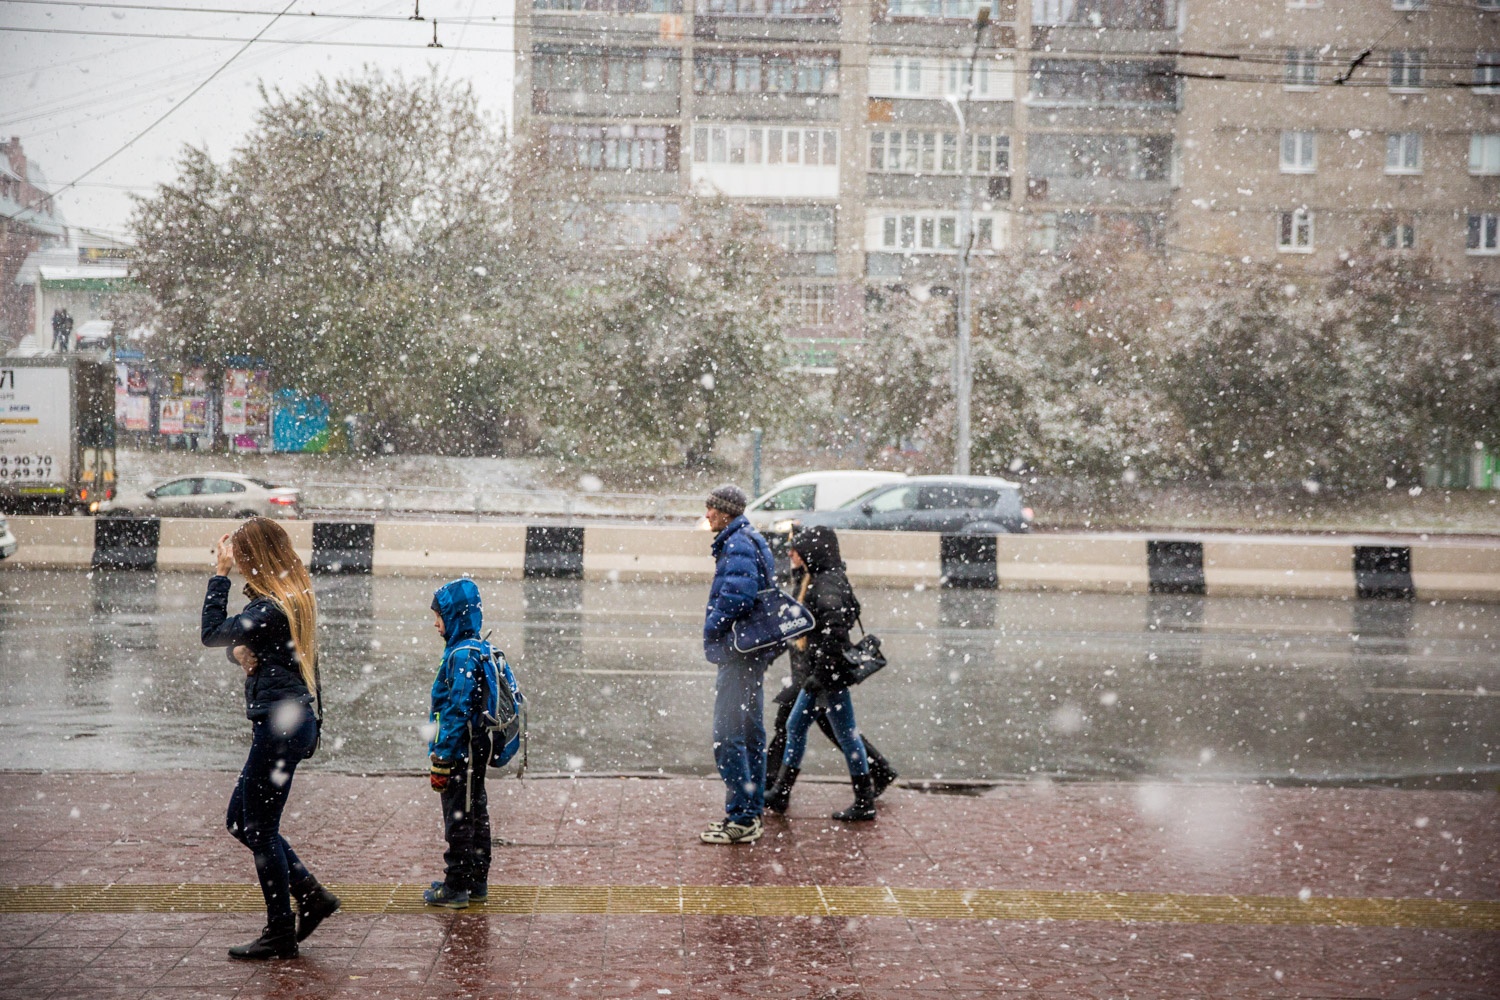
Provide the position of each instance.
(743, 567)
(459, 754)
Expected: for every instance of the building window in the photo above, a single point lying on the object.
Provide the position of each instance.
(801, 229)
(611, 6)
(1484, 233)
(765, 73)
(948, 9)
(1299, 152)
(1403, 153)
(930, 232)
(1487, 73)
(1295, 233)
(1406, 68)
(1126, 83)
(812, 305)
(919, 151)
(937, 77)
(774, 146)
(1113, 157)
(821, 10)
(1484, 155)
(628, 71)
(614, 147)
(1138, 15)
(1301, 68)
(1399, 236)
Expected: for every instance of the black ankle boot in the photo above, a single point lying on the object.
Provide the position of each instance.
(313, 908)
(864, 801)
(779, 795)
(277, 940)
(881, 771)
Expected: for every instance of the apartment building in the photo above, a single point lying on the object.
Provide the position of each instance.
(1263, 131)
(1312, 128)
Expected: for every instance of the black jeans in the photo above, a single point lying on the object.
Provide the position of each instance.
(466, 821)
(254, 816)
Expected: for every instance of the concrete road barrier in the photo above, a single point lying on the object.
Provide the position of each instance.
(1466, 569)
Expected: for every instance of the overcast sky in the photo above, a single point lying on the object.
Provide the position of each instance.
(75, 89)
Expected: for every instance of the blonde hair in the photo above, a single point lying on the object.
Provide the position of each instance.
(263, 552)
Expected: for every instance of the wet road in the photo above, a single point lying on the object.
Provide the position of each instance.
(104, 671)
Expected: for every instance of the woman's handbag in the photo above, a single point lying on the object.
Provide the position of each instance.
(775, 619)
(862, 658)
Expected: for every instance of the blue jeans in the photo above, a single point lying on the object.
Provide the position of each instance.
(841, 714)
(254, 817)
(740, 737)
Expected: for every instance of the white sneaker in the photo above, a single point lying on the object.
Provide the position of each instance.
(725, 832)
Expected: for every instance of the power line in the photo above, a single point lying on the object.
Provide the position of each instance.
(163, 117)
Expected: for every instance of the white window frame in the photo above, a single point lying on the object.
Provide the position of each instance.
(815, 305)
(920, 76)
(1399, 150)
(1300, 69)
(925, 231)
(930, 151)
(1299, 152)
(1294, 231)
(1408, 71)
(1484, 154)
(1487, 72)
(769, 146)
(1487, 227)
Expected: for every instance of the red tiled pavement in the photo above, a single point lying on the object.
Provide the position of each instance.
(152, 829)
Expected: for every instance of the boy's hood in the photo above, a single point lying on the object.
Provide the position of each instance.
(458, 602)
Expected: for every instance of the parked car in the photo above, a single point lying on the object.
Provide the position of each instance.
(969, 505)
(805, 492)
(212, 494)
(8, 543)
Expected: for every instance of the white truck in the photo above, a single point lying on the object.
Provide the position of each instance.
(57, 434)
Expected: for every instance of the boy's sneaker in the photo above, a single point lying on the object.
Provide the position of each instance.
(441, 895)
(729, 832)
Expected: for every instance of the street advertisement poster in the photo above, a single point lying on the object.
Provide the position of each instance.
(195, 415)
(36, 425)
(234, 415)
(258, 402)
(169, 420)
(137, 413)
(300, 422)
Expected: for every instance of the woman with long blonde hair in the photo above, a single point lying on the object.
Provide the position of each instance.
(274, 640)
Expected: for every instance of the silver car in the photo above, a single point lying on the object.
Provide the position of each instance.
(212, 494)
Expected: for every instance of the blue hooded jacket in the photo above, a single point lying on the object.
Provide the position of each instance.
(743, 567)
(466, 666)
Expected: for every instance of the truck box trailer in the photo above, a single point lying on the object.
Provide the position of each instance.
(57, 433)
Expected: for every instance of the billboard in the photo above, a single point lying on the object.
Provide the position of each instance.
(36, 425)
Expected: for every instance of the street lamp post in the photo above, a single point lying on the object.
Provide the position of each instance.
(963, 372)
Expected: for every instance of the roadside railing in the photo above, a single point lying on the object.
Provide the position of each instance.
(370, 499)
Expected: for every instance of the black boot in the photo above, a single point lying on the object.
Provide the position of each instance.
(277, 940)
(881, 771)
(314, 906)
(864, 801)
(779, 795)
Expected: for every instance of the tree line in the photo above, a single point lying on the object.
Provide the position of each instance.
(379, 241)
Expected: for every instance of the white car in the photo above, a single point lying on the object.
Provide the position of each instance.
(805, 492)
(211, 494)
(8, 543)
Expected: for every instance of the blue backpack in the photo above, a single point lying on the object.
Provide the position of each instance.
(501, 708)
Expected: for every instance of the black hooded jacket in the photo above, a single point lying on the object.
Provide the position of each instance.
(834, 607)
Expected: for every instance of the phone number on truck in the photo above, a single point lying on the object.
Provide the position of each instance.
(28, 467)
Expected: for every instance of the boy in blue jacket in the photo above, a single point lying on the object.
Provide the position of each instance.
(458, 752)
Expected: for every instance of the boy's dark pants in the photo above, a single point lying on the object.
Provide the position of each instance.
(466, 821)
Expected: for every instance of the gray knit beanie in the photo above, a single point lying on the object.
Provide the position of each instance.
(729, 498)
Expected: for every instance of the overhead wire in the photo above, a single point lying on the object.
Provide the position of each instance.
(158, 120)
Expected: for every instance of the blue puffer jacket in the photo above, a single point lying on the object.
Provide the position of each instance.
(744, 566)
(465, 668)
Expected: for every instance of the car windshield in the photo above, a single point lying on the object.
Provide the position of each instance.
(861, 498)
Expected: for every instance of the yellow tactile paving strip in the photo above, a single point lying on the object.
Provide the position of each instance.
(793, 901)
